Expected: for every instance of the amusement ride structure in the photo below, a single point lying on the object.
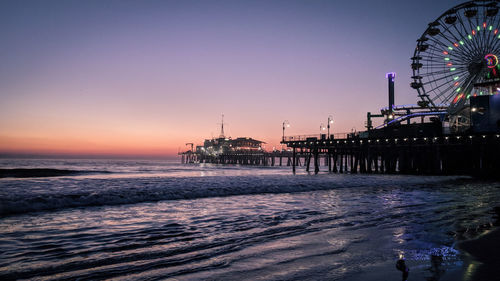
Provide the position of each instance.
(456, 58)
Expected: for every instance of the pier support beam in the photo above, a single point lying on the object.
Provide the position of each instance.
(329, 159)
(316, 161)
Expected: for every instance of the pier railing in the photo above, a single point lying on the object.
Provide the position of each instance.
(318, 137)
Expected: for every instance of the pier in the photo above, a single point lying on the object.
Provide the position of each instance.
(469, 154)
(256, 158)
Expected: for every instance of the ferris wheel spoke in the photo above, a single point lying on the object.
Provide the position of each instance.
(449, 96)
(471, 29)
(438, 72)
(450, 54)
(444, 72)
(457, 53)
(445, 46)
(485, 33)
(443, 34)
(449, 76)
(466, 85)
(446, 94)
(476, 25)
(467, 90)
(441, 98)
(444, 84)
(496, 43)
(480, 34)
(489, 38)
(458, 38)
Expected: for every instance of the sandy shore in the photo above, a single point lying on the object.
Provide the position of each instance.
(481, 262)
(484, 252)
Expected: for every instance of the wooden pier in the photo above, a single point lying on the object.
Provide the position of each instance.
(469, 154)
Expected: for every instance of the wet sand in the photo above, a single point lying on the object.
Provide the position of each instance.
(484, 256)
(481, 262)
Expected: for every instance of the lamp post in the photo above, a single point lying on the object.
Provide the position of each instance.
(286, 124)
(330, 121)
(321, 128)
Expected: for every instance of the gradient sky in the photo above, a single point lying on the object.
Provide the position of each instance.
(145, 77)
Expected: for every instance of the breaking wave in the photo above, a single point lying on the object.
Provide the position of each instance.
(42, 172)
(32, 195)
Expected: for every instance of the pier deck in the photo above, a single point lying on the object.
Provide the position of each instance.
(440, 155)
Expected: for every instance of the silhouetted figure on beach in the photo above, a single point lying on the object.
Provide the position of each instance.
(436, 269)
(401, 266)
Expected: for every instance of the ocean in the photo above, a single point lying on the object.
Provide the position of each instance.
(162, 220)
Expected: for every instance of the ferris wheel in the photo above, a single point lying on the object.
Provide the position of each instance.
(457, 57)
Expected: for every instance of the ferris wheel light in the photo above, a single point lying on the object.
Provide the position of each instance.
(491, 60)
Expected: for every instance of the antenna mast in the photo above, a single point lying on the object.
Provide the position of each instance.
(222, 128)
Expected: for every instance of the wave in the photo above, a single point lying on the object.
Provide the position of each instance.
(43, 195)
(42, 172)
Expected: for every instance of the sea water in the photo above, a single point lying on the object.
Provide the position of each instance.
(162, 220)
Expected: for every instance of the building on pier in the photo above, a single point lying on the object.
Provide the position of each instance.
(215, 147)
(226, 150)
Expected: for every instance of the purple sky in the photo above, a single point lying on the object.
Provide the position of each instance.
(145, 77)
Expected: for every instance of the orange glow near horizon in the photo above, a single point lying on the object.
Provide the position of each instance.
(145, 78)
(66, 146)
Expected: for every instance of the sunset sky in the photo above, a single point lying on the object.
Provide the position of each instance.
(146, 77)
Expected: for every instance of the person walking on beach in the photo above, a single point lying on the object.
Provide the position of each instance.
(401, 266)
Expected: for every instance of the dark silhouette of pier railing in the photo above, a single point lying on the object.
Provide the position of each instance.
(317, 136)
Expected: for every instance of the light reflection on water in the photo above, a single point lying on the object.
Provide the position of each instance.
(350, 226)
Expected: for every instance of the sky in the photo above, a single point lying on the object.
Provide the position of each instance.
(143, 78)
